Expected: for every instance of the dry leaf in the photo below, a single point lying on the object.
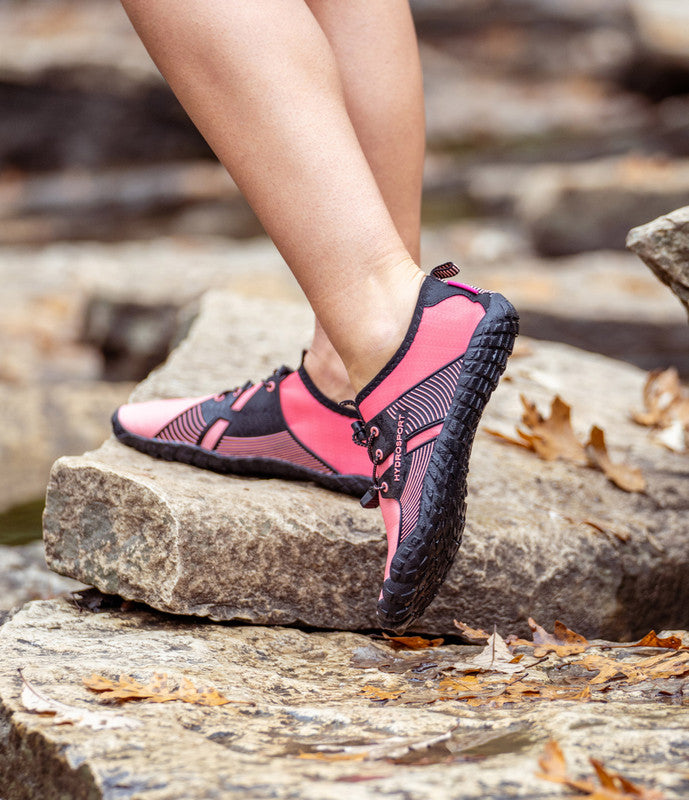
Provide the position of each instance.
(562, 642)
(553, 763)
(675, 437)
(652, 640)
(63, 714)
(664, 399)
(604, 526)
(472, 634)
(411, 642)
(553, 437)
(159, 690)
(376, 693)
(612, 785)
(628, 478)
(495, 657)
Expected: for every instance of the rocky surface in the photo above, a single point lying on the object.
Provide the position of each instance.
(514, 84)
(570, 209)
(663, 28)
(664, 246)
(193, 542)
(24, 576)
(299, 724)
(44, 422)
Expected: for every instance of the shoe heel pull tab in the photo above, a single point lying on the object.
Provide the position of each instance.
(370, 499)
(447, 270)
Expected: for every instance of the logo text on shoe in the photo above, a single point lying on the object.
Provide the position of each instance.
(397, 460)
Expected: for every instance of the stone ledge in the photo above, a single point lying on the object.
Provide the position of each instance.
(303, 691)
(192, 542)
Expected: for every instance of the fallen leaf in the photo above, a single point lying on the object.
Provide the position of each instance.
(628, 478)
(553, 437)
(63, 714)
(612, 786)
(507, 438)
(605, 526)
(652, 640)
(161, 689)
(472, 634)
(664, 399)
(562, 642)
(376, 693)
(411, 642)
(495, 657)
(674, 437)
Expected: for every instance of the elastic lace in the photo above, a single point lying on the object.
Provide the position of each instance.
(277, 375)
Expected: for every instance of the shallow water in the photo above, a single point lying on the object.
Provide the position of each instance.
(22, 524)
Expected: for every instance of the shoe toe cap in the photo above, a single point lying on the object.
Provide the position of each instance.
(148, 418)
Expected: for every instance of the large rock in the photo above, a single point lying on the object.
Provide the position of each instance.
(663, 28)
(606, 301)
(570, 208)
(295, 692)
(664, 246)
(533, 118)
(43, 422)
(192, 542)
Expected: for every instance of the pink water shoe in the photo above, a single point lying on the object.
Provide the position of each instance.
(418, 418)
(283, 427)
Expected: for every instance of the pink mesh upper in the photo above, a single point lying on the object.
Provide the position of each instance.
(443, 336)
(321, 429)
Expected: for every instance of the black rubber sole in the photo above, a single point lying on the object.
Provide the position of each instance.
(226, 465)
(424, 558)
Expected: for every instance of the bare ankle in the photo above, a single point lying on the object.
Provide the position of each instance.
(328, 373)
(385, 333)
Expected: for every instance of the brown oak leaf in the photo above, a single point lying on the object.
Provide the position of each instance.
(160, 689)
(551, 437)
(472, 634)
(562, 642)
(611, 785)
(664, 399)
(411, 642)
(652, 640)
(628, 478)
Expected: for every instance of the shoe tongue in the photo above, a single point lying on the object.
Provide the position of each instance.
(447, 270)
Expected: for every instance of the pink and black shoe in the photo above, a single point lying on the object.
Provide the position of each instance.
(283, 427)
(418, 418)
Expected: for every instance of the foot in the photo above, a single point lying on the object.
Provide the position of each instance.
(283, 427)
(418, 420)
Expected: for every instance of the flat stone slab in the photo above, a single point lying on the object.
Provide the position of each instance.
(268, 551)
(294, 694)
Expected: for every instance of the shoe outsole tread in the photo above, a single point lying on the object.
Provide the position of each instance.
(227, 465)
(423, 559)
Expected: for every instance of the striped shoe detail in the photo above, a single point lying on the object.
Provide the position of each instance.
(410, 500)
(280, 446)
(188, 427)
(427, 403)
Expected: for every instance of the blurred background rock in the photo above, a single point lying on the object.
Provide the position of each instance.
(554, 126)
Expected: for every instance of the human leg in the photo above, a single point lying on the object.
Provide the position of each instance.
(269, 100)
(425, 355)
(375, 48)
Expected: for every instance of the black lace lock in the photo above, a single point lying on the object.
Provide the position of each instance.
(360, 436)
(371, 499)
